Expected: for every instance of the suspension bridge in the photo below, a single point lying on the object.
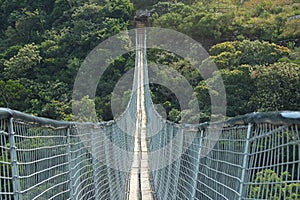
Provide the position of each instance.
(256, 156)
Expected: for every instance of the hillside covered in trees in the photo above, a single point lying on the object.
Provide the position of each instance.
(255, 45)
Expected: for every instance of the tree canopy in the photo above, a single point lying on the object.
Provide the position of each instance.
(44, 42)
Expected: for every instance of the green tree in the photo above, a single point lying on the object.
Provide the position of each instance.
(291, 29)
(277, 87)
(122, 9)
(169, 20)
(50, 99)
(29, 26)
(225, 55)
(239, 88)
(85, 110)
(57, 110)
(24, 63)
(231, 54)
(189, 71)
(174, 115)
(14, 95)
(270, 185)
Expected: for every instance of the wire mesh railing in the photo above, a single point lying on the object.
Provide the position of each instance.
(257, 156)
(47, 159)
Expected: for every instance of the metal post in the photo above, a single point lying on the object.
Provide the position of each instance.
(14, 162)
(70, 166)
(197, 165)
(167, 134)
(162, 170)
(94, 162)
(107, 159)
(178, 163)
(245, 161)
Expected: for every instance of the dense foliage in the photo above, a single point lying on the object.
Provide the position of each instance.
(254, 44)
(247, 42)
(42, 45)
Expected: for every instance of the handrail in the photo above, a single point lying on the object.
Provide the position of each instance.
(9, 113)
(279, 117)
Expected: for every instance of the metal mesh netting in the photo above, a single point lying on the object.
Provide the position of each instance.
(249, 161)
(42, 161)
(6, 187)
(75, 161)
(273, 170)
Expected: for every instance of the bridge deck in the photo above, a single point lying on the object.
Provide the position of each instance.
(140, 187)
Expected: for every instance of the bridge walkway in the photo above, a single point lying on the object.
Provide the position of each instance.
(140, 187)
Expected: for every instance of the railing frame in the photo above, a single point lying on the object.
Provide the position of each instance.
(245, 161)
(14, 162)
(71, 182)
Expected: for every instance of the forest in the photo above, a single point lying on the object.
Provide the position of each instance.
(255, 45)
